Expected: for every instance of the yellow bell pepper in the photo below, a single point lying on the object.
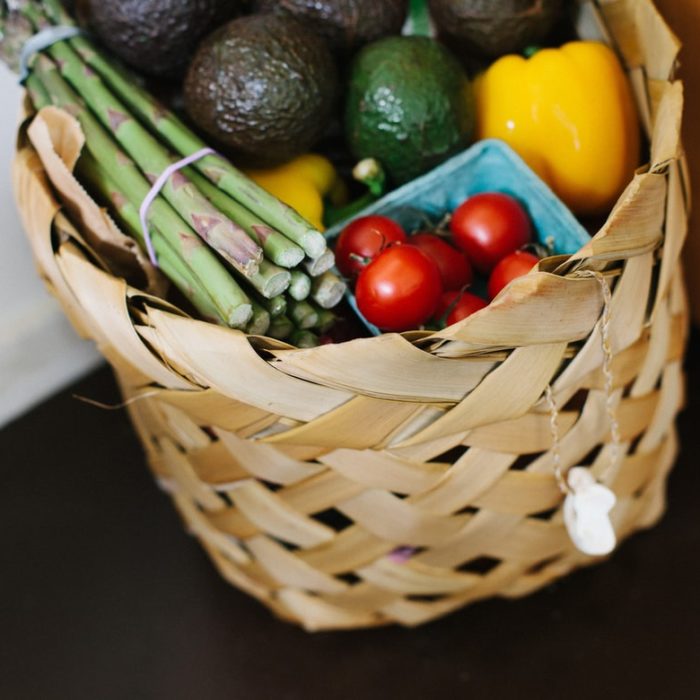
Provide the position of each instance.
(570, 114)
(303, 183)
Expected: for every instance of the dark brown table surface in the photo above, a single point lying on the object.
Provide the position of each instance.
(103, 595)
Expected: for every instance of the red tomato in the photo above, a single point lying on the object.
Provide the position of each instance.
(455, 270)
(362, 240)
(514, 265)
(490, 226)
(399, 289)
(460, 304)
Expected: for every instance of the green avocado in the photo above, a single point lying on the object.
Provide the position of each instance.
(492, 28)
(264, 86)
(409, 105)
(345, 24)
(157, 37)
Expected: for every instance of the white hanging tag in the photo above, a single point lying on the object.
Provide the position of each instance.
(587, 513)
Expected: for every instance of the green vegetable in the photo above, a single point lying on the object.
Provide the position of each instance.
(304, 339)
(232, 303)
(328, 290)
(300, 286)
(260, 322)
(302, 314)
(409, 105)
(280, 328)
(98, 179)
(277, 248)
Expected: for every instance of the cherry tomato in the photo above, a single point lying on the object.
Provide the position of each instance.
(460, 305)
(362, 240)
(514, 265)
(455, 270)
(399, 289)
(490, 226)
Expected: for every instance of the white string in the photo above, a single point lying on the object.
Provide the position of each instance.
(607, 369)
(616, 438)
(556, 449)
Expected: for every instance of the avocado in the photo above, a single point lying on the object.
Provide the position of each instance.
(345, 24)
(264, 86)
(492, 28)
(409, 105)
(157, 37)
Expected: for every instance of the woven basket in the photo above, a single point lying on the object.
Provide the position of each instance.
(302, 471)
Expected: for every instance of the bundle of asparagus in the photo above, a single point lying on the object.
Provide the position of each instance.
(263, 269)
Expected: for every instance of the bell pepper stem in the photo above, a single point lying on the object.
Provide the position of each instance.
(371, 174)
(419, 18)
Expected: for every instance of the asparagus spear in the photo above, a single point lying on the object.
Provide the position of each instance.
(277, 306)
(302, 314)
(260, 322)
(219, 232)
(326, 320)
(38, 94)
(181, 139)
(328, 290)
(299, 286)
(270, 280)
(277, 248)
(232, 303)
(170, 262)
(280, 328)
(304, 339)
(321, 264)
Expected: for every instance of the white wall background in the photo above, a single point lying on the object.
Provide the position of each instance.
(39, 352)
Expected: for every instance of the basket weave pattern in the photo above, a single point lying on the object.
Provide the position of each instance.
(303, 471)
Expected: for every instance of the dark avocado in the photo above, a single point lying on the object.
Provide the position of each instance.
(264, 86)
(157, 37)
(345, 24)
(492, 28)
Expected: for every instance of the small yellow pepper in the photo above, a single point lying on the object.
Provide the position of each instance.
(570, 114)
(303, 183)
